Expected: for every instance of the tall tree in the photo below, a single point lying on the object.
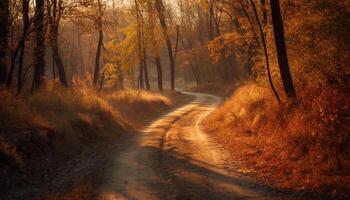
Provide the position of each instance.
(283, 64)
(139, 45)
(161, 16)
(20, 47)
(25, 10)
(265, 52)
(155, 47)
(39, 51)
(99, 44)
(55, 19)
(4, 17)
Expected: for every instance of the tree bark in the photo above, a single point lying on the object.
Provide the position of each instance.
(39, 51)
(161, 16)
(4, 17)
(139, 45)
(281, 50)
(155, 49)
(55, 21)
(99, 45)
(266, 53)
(148, 87)
(97, 58)
(159, 73)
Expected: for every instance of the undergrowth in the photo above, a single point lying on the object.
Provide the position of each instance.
(304, 146)
(56, 123)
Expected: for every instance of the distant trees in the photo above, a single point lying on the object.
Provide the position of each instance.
(54, 16)
(39, 51)
(161, 16)
(22, 43)
(4, 18)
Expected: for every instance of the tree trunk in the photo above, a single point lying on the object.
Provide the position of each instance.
(139, 45)
(99, 45)
(59, 64)
(39, 51)
(25, 8)
(54, 19)
(97, 58)
(13, 65)
(160, 11)
(159, 73)
(155, 48)
(4, 17)
(266, 53)
(146, 70)
(281, 50)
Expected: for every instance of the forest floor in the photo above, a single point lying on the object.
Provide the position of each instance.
(171, 158)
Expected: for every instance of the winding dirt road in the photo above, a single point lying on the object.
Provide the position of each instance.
(174, 159)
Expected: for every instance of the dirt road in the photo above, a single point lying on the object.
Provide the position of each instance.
(174, 159)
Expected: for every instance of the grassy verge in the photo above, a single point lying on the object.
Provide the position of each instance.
(303, 147)
(41, 131)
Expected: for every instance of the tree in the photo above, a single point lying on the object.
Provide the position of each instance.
(100, 43)
(283, 64)
(155, 45)
(39, 50)
(265, 52)
(20, 47)
(4, 17)
(161, 16)
(54, 20)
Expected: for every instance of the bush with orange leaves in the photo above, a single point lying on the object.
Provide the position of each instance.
(304, 146)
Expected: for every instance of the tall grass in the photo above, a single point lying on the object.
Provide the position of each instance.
(66, 121)
(300, 146)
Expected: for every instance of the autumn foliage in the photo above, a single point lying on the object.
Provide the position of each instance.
(303, 145)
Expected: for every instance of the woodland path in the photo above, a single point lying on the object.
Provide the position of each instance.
(174, 159)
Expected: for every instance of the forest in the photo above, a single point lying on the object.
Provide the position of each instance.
(174, 99)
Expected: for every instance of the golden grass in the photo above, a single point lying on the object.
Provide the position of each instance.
(69, 119)
(300, 147)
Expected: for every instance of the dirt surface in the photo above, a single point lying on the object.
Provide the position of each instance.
(174, 159)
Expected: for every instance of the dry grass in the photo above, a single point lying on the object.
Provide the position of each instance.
(303, 147)
(57, 121)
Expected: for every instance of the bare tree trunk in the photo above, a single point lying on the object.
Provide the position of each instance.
(160, 11)
(266, 54)
(159, 73)
(99, 45)
(155, 49)
(281, 49)
(25, 10)
(55, 21)
(39, 51)
(139, 45)
(4, 18)
(145, 68)
(13, 65)
(97, 58)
